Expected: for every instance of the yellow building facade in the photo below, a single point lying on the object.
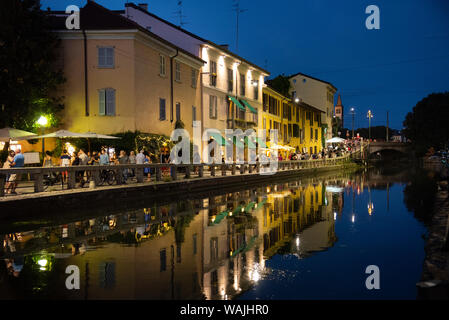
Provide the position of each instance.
(298, 124)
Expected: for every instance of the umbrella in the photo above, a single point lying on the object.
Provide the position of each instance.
(64, 134)
(101, 136)
(15, 134)
(335, 140)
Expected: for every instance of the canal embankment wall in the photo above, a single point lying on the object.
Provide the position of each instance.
(82, 201)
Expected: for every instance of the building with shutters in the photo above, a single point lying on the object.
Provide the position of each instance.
(122, 77)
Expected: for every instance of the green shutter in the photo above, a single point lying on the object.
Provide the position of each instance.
(110, 102)
(102, 102)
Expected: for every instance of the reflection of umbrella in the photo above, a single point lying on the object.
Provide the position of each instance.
(15, 134)
(335, 140)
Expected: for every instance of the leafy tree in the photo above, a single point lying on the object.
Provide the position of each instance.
(28, 77)
(426, 126)
(281, 84)
(336, 126)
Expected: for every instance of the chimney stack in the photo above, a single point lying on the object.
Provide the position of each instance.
(144, 6)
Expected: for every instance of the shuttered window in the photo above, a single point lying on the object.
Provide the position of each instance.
(106, 102)
(106, 57)
(162, 113)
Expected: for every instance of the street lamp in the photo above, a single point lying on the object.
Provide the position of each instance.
(370, 115)
(42, 122)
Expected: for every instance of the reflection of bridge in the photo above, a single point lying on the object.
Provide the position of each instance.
(375, 147)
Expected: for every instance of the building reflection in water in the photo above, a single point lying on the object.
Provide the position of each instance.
(213, 248)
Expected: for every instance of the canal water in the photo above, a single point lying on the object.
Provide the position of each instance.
(299, 239)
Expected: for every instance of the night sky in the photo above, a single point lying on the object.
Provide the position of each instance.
(387, 69)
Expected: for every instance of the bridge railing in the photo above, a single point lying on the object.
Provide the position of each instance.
(38, 178)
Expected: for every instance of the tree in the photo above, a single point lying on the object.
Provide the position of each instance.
(336, 126)
(426, 126)
(281, 84)
(28, 77)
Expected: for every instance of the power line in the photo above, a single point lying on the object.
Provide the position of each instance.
(180, 14)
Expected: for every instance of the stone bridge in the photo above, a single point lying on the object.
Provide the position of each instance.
(376, 147)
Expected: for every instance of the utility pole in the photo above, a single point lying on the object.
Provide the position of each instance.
(387, 127)
(370, 115)
(353, 114)
(237, 10)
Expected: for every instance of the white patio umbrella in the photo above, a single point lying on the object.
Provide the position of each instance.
(335, 140)
(64, 134)
(101, 136)
(7, 134)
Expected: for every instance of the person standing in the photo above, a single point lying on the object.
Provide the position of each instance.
(123, 159)
(18, 162)
(7, 165)
(132, 160)
(65, 162)
(104, 158)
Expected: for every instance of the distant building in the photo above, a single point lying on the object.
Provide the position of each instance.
(318, 93)
(339, 111)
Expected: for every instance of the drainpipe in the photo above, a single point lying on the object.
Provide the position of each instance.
(86, 93)
(171, 84)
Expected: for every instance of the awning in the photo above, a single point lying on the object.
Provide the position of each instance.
(237, 103)
(237, 210)
(219, 138)
(250, 206)
(253, 110)
(262, 144)
(220, 217)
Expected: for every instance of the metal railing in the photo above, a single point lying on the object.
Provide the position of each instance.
(89, 176)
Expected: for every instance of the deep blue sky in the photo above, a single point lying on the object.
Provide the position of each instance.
(387, 69)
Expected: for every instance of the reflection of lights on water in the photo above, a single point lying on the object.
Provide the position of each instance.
(370, 208)
(256, 276)
(335, 216)
(353, 218)
(42, 263)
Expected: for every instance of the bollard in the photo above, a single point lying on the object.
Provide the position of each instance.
(201, 171)
(223, 169)
(92, 184)
(212, 170)
(174, 172)
(188, 172)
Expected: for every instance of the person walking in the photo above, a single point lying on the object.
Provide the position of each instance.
(132, 160)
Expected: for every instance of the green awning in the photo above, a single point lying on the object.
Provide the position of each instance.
(220, 217)
(237, 103)
(250, 206)
(237, 210)
(250, 143)
(262, 144)
(253, 110)
(219, 138)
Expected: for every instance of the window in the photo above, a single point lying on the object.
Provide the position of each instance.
(194, 78)
(106, 57)
(311, 134)
(242, 85)
(214, 249)
(213, 107)
(293, 95)
(162, 65)
(163, 259)
(177, 71)
(193, 113)
(213, 73)
(316, 134)
(256, 92)
(264, 123)
(195, 236)
(178, 253)
(106, 102)
(162, 114)
(230, 80)
(178, 111)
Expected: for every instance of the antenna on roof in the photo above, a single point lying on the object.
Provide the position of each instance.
(238, 11)
(180, 15)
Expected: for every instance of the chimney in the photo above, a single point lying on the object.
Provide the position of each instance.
(144, 6)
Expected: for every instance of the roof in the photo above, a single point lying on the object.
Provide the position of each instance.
(97, 17)
(220, 47)
(277, 92)
(305, 75)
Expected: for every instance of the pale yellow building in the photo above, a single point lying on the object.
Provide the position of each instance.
(122, 77)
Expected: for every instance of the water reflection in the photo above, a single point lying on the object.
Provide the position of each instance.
(213, 248)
